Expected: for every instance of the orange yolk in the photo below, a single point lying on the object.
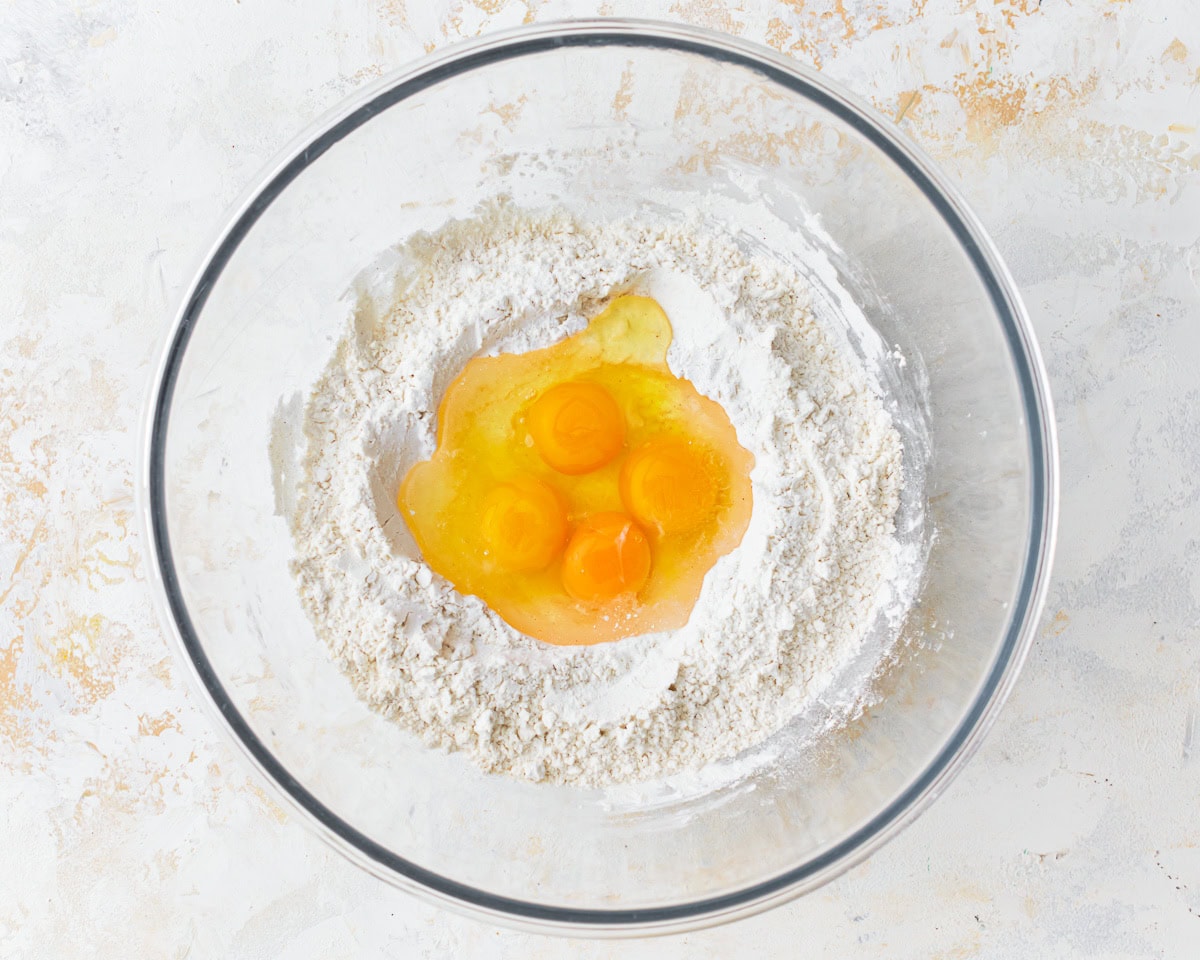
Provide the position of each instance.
(608, 555)
(667, 486)
(524, 525)
(581, 491)
(576, 427)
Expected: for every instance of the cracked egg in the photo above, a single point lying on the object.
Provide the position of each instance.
(582, 491)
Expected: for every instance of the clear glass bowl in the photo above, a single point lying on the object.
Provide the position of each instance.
(600, 116)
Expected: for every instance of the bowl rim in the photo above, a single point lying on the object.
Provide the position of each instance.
(1024, 354)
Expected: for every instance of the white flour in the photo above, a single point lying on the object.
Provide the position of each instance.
(776, 618)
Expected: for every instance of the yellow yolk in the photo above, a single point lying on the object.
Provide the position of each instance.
(524, 525)
(608, 555)
(582, 491)
(576, 427)
(668, 485)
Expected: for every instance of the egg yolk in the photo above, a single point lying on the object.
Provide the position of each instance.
(582, 491)
(524, 525)
(608, 555)
(576, 427)
(667, 485)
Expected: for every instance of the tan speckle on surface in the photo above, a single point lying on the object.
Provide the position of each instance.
(1058, 624)
(156, 726)
(509, 112)
(16, 699)
(714, 14)
(624, 95)
(989, 105)
(88, 655)
(1176, 51)
(908, 100)
(395, 11)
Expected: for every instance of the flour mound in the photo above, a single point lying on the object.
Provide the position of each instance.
(776, 619)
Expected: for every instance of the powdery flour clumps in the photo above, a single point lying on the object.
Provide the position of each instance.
(777, 618)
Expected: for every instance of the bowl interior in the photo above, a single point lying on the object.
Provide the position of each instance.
(612, 123)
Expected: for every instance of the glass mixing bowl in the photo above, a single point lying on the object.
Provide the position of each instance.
(610, 116)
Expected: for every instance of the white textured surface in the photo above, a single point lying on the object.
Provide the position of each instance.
(128, 827)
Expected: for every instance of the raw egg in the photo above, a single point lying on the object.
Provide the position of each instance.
(581, 491)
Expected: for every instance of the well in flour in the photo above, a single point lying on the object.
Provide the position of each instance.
(776, 619)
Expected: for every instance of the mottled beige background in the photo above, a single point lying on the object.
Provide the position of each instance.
(128, 827)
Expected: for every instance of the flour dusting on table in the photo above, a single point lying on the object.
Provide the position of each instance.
(776, 619)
